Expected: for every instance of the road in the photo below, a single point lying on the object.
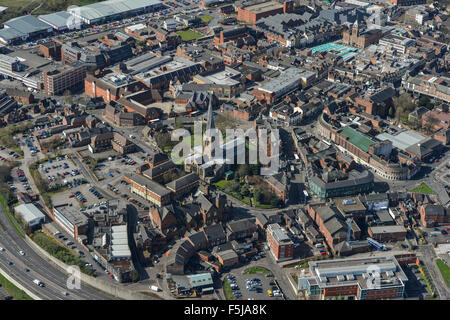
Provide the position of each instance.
(54, 279)
(41, 269)
(428, 258)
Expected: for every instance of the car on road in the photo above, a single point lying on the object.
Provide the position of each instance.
(64, 293)
(26, 269)
(21, 253)
(2, 249)
(10, 263)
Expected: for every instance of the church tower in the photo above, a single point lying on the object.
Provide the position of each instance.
(210, 127)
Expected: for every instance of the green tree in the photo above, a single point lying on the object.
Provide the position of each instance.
(242, 170)
(391, 112)
(403, 105)
(235, 186)
(424, 100)
(258, 195)
(429, 124)
(244, 190)
(254, 169)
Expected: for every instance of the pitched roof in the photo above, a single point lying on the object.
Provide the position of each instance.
(182, 182)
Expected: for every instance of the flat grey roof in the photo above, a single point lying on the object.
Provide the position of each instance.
(286, 78)
(10, 34)
(105, 9)
(72, 216)
(387, 229)
(59, 19)
(279, 233)
(403, 140)
(27, 24)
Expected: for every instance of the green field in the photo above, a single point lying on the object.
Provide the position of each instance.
(14, 3)
(189, 35)
(445, 271)
(423, 188)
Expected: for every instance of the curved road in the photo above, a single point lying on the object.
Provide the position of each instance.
(54, 279)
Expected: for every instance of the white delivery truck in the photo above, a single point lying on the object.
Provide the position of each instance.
(154, 288)
(37, 282)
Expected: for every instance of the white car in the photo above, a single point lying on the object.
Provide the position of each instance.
(2, 249)
(21, 253)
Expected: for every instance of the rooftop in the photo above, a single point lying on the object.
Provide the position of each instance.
(338, 272)
(279, 233)
(29, 212)
(149, 184)
(264, 7)
(358, 139)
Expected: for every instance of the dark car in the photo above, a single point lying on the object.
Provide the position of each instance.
(444, 232)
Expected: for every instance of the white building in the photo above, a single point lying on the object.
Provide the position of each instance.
(30, 214)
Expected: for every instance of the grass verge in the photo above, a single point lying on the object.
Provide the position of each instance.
(254, 270)
(58, 251)
(445, 271)
(260, 205)
(11, 218)
(12, 290)
(227, 290)
(427, 279)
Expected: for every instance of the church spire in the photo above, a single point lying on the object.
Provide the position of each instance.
(210, 116)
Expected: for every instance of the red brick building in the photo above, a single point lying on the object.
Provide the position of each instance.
(148, 189)
(251, 14)
(354, 37)
(51, 50)
(281, 246)
(433, 215)
(59, 80)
